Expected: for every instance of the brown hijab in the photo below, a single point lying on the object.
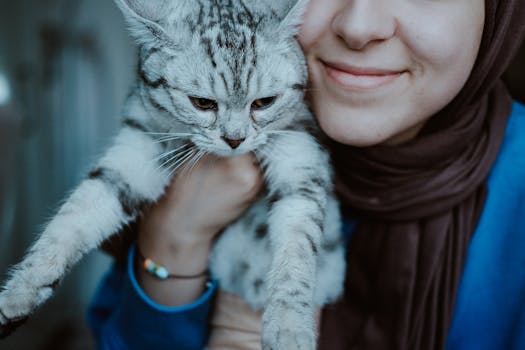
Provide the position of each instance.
(417, 206)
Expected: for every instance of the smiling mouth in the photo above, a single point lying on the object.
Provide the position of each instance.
(359, 79)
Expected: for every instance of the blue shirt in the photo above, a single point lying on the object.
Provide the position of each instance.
(490, 305)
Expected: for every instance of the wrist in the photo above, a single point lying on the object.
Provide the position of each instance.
(177, 258)
(174, 230)
(182, 253)
(169, 292)
(161, 272)
(186, 257)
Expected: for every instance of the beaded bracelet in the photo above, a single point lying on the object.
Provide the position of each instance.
(160, 272)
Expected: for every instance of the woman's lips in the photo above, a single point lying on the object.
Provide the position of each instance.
(359, 79)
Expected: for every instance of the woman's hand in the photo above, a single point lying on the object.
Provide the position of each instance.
(199, 204)
(178, 231)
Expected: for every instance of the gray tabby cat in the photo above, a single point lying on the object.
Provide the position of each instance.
(223, 77)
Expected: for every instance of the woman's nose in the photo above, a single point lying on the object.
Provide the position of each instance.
(361, 22)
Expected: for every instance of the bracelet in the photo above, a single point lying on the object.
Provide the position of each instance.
(162, 273)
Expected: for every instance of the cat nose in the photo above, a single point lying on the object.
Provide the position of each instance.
(233, 143)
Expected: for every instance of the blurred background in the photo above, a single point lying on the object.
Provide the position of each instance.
(65, 69)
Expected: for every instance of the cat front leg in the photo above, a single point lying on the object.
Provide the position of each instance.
(109, 198)
(299, 179)
(288, 321)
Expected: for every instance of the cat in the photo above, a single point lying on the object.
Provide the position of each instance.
(224, 77)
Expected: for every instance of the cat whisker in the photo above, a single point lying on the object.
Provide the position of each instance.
(190, 165)
(169, 138)
(175, 170)
(181, 162)
(165, 154)
(179, 154)
(175, 158)
(170, 133)
(198, 158)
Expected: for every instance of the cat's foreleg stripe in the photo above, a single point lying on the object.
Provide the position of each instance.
(313, 245)
(296, 294)
(317, 217)
(131, 204)
(322, 183)
(332, 246)
(313, 196)
(302, 308)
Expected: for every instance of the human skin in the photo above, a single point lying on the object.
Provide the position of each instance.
(178, 231)
(378, 70)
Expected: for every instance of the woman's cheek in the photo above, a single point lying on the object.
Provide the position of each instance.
(317, 19)
(443, 53)
(443, 38)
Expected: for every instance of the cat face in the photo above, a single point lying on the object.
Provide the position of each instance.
(229, 72)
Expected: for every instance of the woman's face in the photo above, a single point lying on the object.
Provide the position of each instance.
(380, 68)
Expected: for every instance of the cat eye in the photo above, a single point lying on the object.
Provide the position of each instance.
(203, 104)
(263, 103)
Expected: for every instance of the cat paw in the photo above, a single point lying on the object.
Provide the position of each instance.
(9, 325)
(16, 305)
(289, 331)
(287, 339)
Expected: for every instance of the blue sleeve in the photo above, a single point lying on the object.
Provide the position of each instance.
(122, 316)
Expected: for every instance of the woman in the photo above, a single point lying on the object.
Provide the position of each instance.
(429, 152)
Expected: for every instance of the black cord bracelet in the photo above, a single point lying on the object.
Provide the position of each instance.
(162, 273)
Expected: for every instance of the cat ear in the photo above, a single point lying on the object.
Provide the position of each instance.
(145, 18)
(293, 18)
